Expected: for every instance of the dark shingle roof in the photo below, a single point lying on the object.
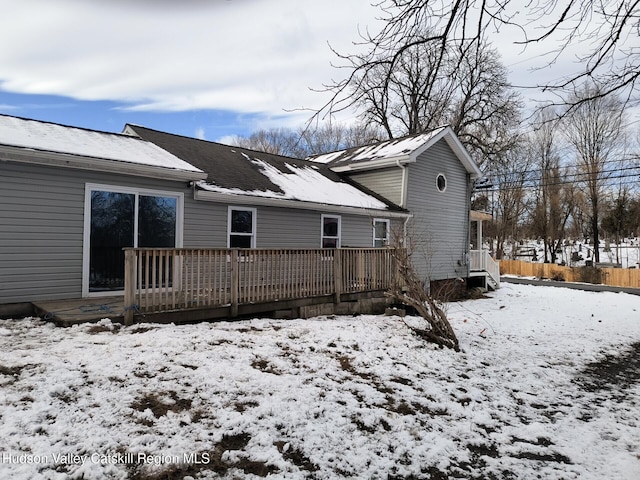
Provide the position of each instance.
(237, 168)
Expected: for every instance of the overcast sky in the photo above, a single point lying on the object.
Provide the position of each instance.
(197, 67)
(205, 68)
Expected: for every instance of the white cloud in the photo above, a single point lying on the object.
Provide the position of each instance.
(200, 133)
(244, 56)
(227, 139)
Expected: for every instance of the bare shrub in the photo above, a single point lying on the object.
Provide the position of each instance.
(590, 275)
(412, 291)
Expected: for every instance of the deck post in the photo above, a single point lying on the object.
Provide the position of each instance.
(129, 284)
(235, 282)
(337, 274)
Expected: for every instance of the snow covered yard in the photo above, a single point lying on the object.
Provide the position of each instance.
(548, 386)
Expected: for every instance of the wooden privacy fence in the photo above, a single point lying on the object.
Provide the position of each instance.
(616, 277)
(168, 279)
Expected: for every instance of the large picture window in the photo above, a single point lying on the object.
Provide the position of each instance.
(330, 231)
(116, 218)
(380, 232)
(242, 227)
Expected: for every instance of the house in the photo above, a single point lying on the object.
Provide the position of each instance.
(71, 199)
(430, 175)
(417, 187)
(261, 200)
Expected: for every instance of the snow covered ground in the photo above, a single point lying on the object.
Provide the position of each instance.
(547, 386)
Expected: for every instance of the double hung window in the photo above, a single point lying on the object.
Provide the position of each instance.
(380, 232)
(242, 227)
(330, 231)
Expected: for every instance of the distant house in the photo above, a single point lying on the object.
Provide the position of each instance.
(71, 199)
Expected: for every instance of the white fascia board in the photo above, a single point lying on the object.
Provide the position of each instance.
(230, 198)
(375, 164)
(55, 159)
(455, 145)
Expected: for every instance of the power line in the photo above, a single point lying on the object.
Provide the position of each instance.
(529, 182)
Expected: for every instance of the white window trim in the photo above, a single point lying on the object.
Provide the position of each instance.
(381, 220)
(254, 222)
(86, 236)
(322, 235)
(446, 183)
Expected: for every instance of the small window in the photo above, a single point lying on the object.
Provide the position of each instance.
(441, 182)
(330, 231)
(242, 227)
(380, 233)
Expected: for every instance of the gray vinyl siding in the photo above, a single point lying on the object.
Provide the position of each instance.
(357, 231)
(42, 227)
(297, 228)
(205, 224)
(288, 228)
(385, 181)
(440, 226)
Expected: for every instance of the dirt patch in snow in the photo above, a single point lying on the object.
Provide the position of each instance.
(615, 372)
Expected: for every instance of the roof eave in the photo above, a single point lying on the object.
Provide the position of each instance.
(233, 198)
(454, 143)
(375, 164)
(56, 159)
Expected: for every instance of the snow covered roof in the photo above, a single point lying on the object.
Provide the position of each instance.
(35, 135)
(397, 150)
(304, 183)
(263, 176)
(396, 147)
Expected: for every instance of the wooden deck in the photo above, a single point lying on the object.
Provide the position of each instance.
(231, 281)
(73, 311)
(79, 310)
(190, 285)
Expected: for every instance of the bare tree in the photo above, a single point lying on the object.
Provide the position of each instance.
(606, 30)
(403, 101)
(511, 172)
(594, 129)
(485, 110)
(280, 141)
(553, 204)
(634, 209)
(429, 85)
(619, 220)
(332, 136)
(306, 141)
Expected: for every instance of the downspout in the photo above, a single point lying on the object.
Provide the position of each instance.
(403, 186)
(468, 227)
(403, 194)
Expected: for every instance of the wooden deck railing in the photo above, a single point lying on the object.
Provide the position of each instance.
(159, 280)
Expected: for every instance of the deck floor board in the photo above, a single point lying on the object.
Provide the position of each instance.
(79, 310)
